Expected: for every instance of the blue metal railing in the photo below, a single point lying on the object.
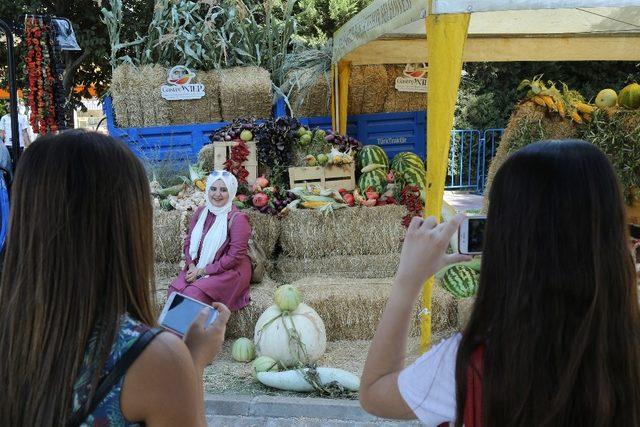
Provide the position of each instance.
(469, 158)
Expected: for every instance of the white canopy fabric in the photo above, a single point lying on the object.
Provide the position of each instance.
(603, 33)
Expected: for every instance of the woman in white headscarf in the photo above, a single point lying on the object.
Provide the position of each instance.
(217, 266)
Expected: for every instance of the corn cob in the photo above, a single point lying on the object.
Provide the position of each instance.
(560, 106)
(586, 117)
(538, 100)
(584, 108)
(313, 205)
(200, 184)
(576, 117)
(548, 101)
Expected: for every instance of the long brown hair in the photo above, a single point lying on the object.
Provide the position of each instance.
(79, 255)
(557, 306)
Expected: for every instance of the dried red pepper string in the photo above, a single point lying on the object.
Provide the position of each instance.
(238, 154)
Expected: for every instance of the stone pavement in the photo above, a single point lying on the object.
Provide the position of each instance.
(271, 411)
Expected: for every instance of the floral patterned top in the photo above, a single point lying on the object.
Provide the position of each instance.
(108, 412)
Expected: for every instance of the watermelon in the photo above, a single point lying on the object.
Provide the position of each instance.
(376, 179)
(406, 159)
(372, 154)
(461, 281)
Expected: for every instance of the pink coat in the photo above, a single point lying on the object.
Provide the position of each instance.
(229, 275)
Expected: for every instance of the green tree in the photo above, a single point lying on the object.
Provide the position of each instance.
(89, 66)
(319, 19)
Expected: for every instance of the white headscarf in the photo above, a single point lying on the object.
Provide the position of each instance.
(217, 234)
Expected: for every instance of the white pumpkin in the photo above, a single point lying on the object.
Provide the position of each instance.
(272, 339)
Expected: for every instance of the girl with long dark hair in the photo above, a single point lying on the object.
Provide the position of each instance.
(76, 296)
(554, 335)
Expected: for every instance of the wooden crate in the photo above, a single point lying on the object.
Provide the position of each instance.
(222, 151)
(333, 177)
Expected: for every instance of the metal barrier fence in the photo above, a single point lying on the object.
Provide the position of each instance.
(469, 158)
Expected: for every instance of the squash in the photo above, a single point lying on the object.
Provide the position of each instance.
(243, 350)
(263, 364)
(294, 380)
(287, 297)
(629, 97)
(291, 338)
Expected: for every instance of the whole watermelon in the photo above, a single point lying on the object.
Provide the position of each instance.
(404, 160)
(372, 154)
(629, 97)
(461, 281)
(376, 179)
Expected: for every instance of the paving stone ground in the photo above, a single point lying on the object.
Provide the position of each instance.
(272, 411)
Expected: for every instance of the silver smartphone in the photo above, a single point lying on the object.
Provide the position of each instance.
(180, 311)
(471, 235)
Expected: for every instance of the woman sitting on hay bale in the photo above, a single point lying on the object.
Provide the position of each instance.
(217, 266)
(554, 335)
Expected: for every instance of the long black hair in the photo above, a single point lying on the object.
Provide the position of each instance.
(557, 306)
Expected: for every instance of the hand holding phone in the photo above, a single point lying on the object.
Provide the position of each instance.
(180, 311)
(204, 343)
(471, 235)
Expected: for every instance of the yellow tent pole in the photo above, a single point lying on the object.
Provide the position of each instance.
(446, 35)
(344, 70)
(334, 85)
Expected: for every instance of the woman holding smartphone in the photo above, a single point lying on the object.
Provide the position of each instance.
(76, 297)
(554, 336)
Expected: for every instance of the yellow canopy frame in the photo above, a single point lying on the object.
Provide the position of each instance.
(385, 32)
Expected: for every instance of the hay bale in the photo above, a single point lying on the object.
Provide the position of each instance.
(311, 97)
(288, 269)
(245, 92)
(396, 101)
(156, 108)
(206, 157)
(203, 110)
(367, 89)
(348, 232)
(168, 236)
(528, 123)
(350, 308)
(123, 105)
(266, 227)
(465, 307)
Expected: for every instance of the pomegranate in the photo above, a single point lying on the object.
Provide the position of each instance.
(260, 200)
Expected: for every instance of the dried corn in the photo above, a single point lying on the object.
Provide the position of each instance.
(576, 117)
(538, 100)
(548, 101)
(584, 108)
(560, 106)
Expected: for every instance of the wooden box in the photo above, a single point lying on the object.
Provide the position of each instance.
(332, 177)
(222, 151)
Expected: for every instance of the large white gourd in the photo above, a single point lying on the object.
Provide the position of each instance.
(272, 337)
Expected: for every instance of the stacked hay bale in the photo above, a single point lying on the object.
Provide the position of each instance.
(203, 110)
(528, 123)
(168, 236)
(397, 101)
(350, 308)
(355, 242)
(245, 92)
(229, 93)
(367, 89)
(311, 94)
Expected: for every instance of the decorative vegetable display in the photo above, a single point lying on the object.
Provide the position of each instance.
(287, 297)
(275, 140)
(461, 280)
(291, 338)
(376, 179)
(372, 154)
(568, 103)
(243, 350)
(411, 198)
(263, 364)
(296, 380)
(406, 160)
(629, 96)
(198, 176)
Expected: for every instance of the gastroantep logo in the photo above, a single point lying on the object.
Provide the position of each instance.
(180, 86)
(414, 80)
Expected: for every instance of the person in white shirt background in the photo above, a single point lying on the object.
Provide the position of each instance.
(5, 134)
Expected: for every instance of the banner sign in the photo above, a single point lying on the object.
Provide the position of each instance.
(379, 18)
(180, 86)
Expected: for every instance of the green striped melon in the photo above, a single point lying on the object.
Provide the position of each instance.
(376, 179)
(406, 159)
(461, 281)
(372, 154)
